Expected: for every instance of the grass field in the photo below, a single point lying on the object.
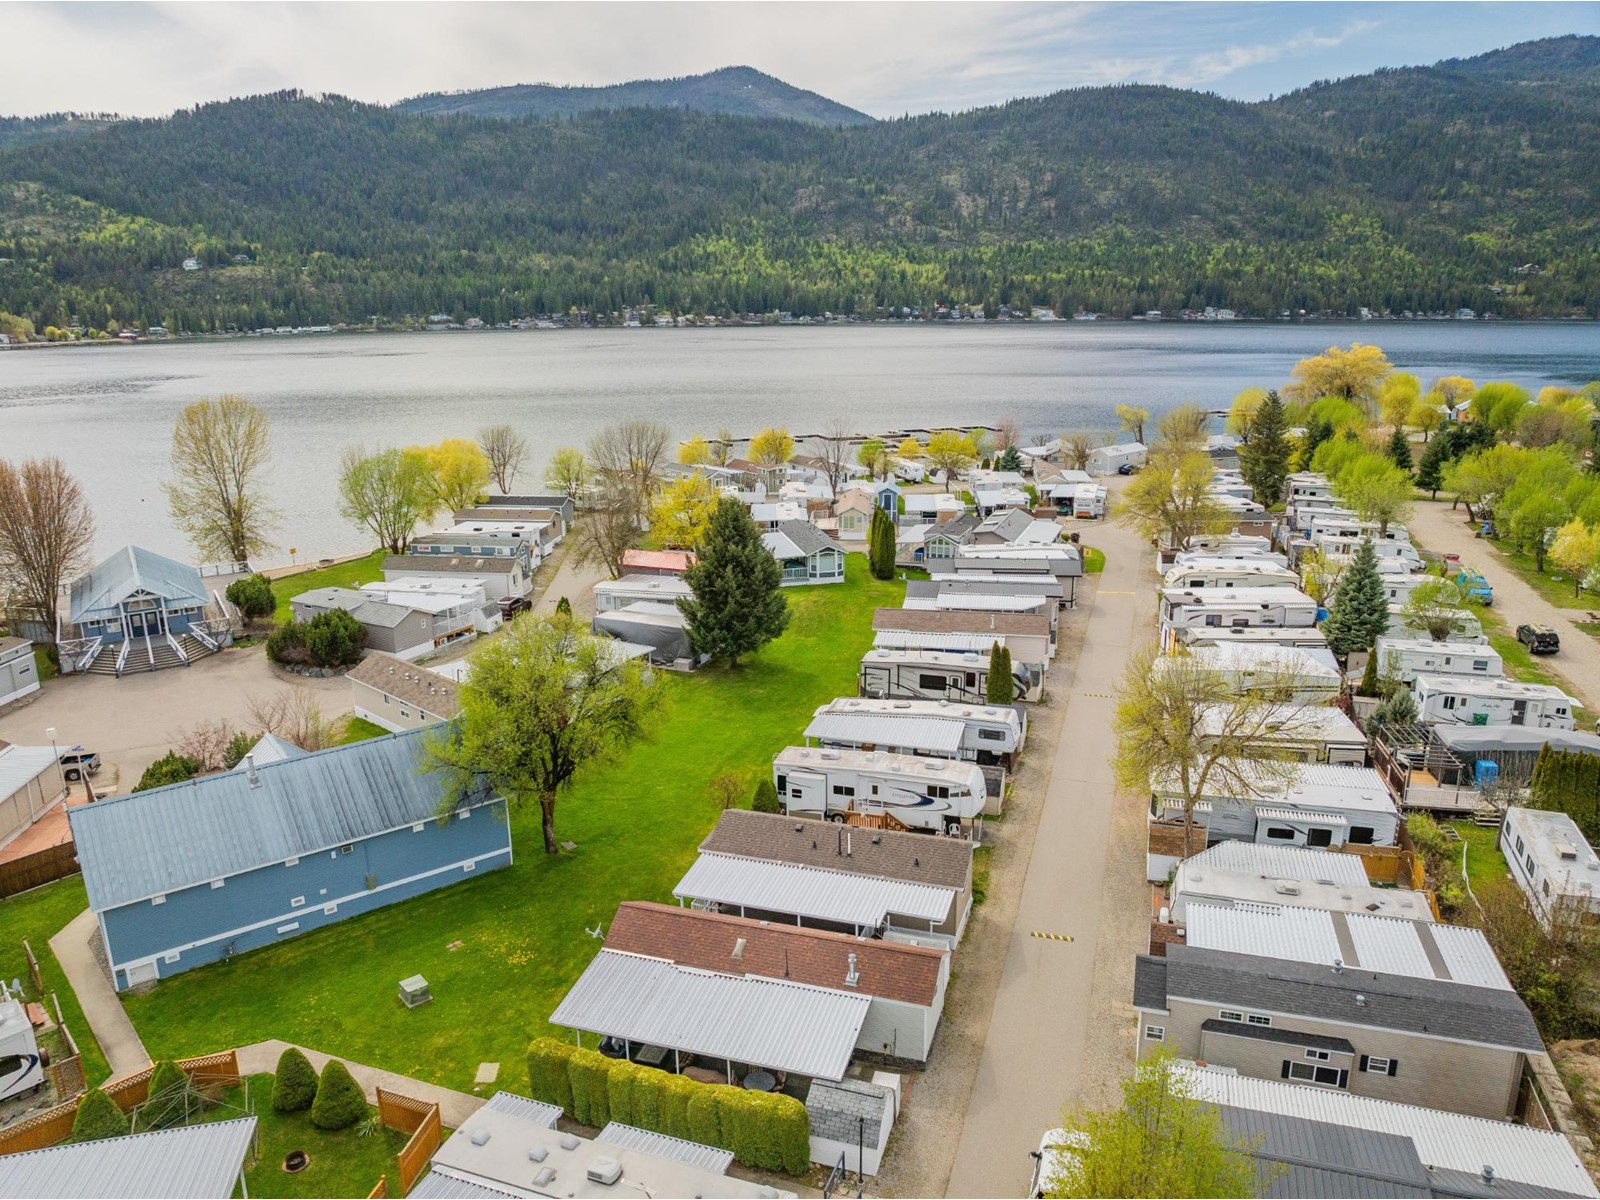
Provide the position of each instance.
(346, 574)
(1094, 561)
(359, 729)
(501, 950)
(38, 916)
(1484, 860)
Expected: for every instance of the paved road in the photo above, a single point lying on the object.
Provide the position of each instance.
(1434, 525)
(1055, 1036)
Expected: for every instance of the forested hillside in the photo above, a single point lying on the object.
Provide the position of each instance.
(1466, 184)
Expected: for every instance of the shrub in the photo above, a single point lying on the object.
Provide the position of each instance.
(769, 1131)
(705, 1114)
(564, 607)
(287, 643)
(648, 1088)
(98, 1117)
(339, 1103)
(548, 1078)
(294, 1086)
(591, 1101)
(240, 744)
(623, 1086)
(676, 1093)
(335, 638)
(765, 798)
(171, 767)
(253, 597)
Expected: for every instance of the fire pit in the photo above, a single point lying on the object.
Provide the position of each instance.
(296, 1161)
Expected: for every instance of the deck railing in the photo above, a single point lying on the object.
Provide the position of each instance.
(122, 655)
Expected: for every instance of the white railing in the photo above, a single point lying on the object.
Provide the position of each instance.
(224, 568)
(150, 650)
(204, 638)
(122, 655)
(176, 649)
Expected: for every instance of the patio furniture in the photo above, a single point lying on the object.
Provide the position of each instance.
(652, 1056)
(760, 1081)
(414, 991)
(702, 1075)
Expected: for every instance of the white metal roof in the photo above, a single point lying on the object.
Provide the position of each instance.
(644, 585)
(810, 892)
(1263, 656)
(1361, 941)
(269, 749)
(985, 602)
(1444, 1140)
(931, 734)
(1316, 786)
(763, 1022)
(1281, 862)
(905, 639)
(988, 714)
(696, 1154)
(202, 1161)
(1268, 812)
(1294, 723)
(881, 764)
(1511, 689)
(1215, 597)
(1565, 860)
(21, 765)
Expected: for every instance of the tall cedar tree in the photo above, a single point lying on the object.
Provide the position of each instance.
(738, 604)
(1430, 471)
(1360, 609)
(999, 689)
(1317, 432)
(881, 544)
(1010, 460)
(1264, 459)
(1400, 449)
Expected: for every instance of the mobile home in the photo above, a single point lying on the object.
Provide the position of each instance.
(1461, 700)
(934, 675)
(1467, 629)
(612, 594)
(1109, 460)
(990, 734)
(933, 795)
(1406, 658)
(1211, 635)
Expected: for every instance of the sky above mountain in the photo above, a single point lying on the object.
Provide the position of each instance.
(146, 59)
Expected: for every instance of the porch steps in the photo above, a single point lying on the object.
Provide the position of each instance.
(105, 663)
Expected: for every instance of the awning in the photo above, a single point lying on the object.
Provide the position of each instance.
(1304, 816)
(810, 892)
(935, 735)
(768, 1023)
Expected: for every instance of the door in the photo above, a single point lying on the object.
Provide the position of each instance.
(1519, 712)
(144, 972)
(807, 793)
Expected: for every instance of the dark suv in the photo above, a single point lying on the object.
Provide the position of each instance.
(1539, 639)
(510, 606)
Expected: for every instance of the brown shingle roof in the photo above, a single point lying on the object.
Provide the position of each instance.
(913, 857)
(707, 941)
(408, 683)
(933, 620)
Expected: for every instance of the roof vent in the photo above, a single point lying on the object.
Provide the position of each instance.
(1488, 1173)
(1338, 966)
(605, 1170)
(480, 1137)
(1567, 850)
(250, 764)
(545, 1177)
(1361, 1002)
(852, 976)
(538, 1154)
(569, 1142)
(1285, 888)
(738, 948)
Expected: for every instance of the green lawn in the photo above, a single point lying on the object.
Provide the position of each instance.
(1484, 860)
(346, 574)
(359, 729)
(1094, 561)
(39, 915)
(521, 931)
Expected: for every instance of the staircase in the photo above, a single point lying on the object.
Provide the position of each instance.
(139, 656)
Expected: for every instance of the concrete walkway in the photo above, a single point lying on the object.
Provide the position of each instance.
(1062, 1022)
(1436, 526)
(118, 1039)
(454, 1107)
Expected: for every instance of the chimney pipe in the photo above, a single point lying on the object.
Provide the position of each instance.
(852, 976)
(250, 766)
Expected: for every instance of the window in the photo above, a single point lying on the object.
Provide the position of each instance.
(469, 866)
(840, 790)
(1360, 835)
(1520, 846)
(1258, 1019)
(1530, 866)
(1279, 834)
(10, 1064)
(1228, 1014)
(329, 909)
(216, 883)
(938, 792)
(346, 849)
(1214, 619)
(1312, 1073)
(1480, 664)
(992, 735)
(1449, 702)
(1155, 1033)
(1317, 1055)
(386, 699)
(291, 862)
(158, 899)
(297, 901)
(171, 958)
(1546, 886)
(463, 814)
(972, 680)
(1319, 837)
(405, 712)
(932, 683)
(1373, 1065)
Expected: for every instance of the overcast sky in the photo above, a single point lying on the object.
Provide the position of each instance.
(886, 59)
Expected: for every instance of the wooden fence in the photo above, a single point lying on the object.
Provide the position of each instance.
(39, 868)
(53, 1125)
(381, 1190)
(419, 1118)
(34, 974)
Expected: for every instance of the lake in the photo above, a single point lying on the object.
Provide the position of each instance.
(108, 412)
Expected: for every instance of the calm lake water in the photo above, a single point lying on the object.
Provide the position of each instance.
(108, 412)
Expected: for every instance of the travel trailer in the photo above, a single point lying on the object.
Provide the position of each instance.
(1278, 607)
(1229, 573)
(936, 675)
(933, 795)
(20, 1068)
(1211, 635)
(990, 734)
(1406, 658)
(1460, 700)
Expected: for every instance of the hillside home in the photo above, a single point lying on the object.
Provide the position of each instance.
(396, 695)
(199, 871)
(1550, 860)
(1462, 700)
(806, 554)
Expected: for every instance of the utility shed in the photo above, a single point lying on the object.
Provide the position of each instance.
(851, 1118)
(198, 871)
(192, 1162)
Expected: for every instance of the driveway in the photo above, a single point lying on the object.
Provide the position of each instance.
(1062, 1029)
(134, 720)
(1434, 525)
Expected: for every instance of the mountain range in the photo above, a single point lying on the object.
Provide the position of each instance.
(1470, 183)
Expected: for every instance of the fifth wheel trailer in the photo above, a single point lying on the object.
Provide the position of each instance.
(934, 675)
(20, 1067)
(989, 733)
(933, 795)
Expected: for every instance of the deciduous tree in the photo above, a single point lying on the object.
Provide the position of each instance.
(1535, 521)
(950, 453)
(387, 493)
(217, 495)
(1170, 502)
(1438, 607)
(1376, 490)
(738, 604)
(683, 511)
(1576, 550)
(538, 705)
(771, 447)
(46, 534)
(1008, 433)
(694, 452)
(1353, 374)
(1181, 430)
(1242, 412)
(606, 533)
(1132, 419)
(460, 471)
(627, 458)
(874, 457)
(909, 449)
(1425, 416)
(833, 451)
(568, 472)
(507, 452)
(1076, 449)
(1397, 395)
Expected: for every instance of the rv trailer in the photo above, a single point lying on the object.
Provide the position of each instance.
(932, 795)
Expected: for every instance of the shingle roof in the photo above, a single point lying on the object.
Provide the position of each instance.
(135, 846)
(807, 538)
(1432, 1007)
(709, 941)
(129, 570)
(200, 1161)
(914, 857)
(453, 564)
(1271, 1033)
(1150, 982)
(952, 620)
(408, 683)
(357, 603)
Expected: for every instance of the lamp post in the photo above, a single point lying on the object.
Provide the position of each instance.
(51, 734)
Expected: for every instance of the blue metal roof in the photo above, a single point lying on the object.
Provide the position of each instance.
(130, 570)
(147, 843)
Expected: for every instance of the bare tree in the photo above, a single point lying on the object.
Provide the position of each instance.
(628, 458)
(206, 744)
(220, 452)
(604, 534)
(833, 448)
(1007, 434)
(1076, 449)
(293, 714)
(1181, 430)
(722, 447)
(46, 533)
(507, 452)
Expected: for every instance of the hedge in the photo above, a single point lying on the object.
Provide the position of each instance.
(294, 1086)
(548, 1079)
(98, 1117)
(763, 1130)
(340, 1102)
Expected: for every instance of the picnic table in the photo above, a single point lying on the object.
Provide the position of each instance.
(760, 1081)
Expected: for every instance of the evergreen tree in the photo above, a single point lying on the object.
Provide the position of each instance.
(1430, 472)
(999, 688)
(1010, 460)
(1317, 432)
(1400, 449)
(98, 1117)
(738, 604)
(1264, 459)
(881, 544)
(294, 1086)
(1360, 609)
(564, 607)
(765, 799)
(1369, 677)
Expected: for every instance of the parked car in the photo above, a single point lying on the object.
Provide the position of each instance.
(1475, 586)
(510, 606)
(1539, 639)
(1054, 1158)
(78, 762)
(1125, 469)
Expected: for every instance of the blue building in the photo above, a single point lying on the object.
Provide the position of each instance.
(139, 610)
(184, 875)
